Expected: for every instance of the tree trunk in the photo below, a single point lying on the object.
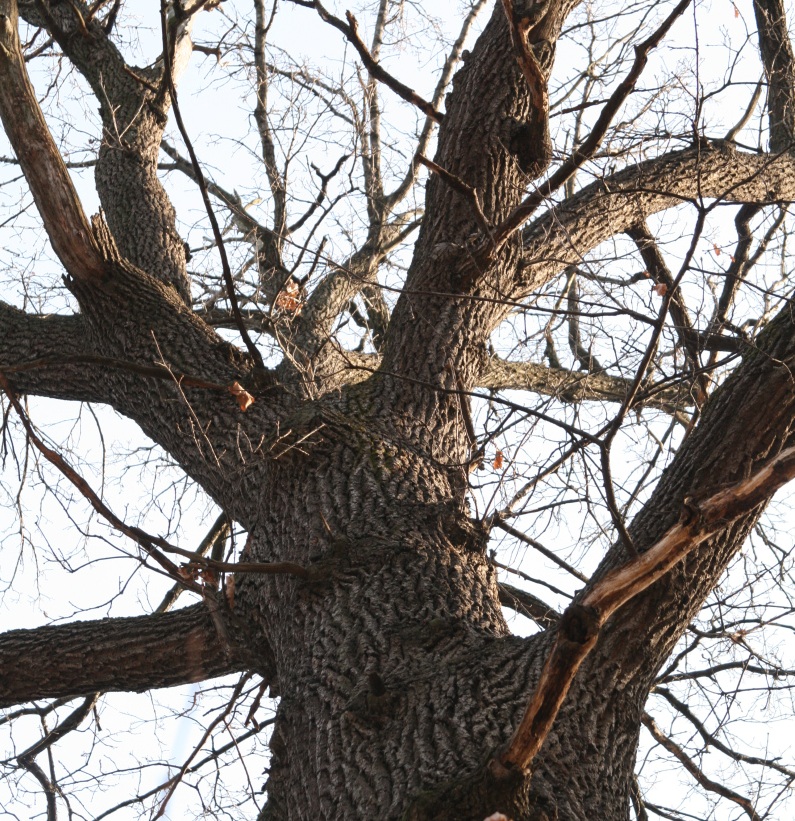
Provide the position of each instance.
(396, 671)
(399, 682)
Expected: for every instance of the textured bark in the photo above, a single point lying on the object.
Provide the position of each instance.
(611, 206)
(132, 654)
(397, 675)
(44, 355)
(39, 158)
(779, 62)
(134, 111)
(745, 422)
(571, 386)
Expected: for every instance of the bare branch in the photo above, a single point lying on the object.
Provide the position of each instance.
(351, 31)
(711, 739)
(704, 780)
(517, 534)
(657, 267)
(610, 206)
(526, 604)
(227, 271)
(573, 386)
(779, 62)
(589, 146)
(129, 654)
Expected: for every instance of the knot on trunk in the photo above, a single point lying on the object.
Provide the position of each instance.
(483, 794)
(531, 145)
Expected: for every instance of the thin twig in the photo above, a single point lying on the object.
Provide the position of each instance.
(704, 780)
(136, 534)
(517, 534)
(374, 68)
(152, 545)
(200, 181)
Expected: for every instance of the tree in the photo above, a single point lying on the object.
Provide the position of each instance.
(366, 597)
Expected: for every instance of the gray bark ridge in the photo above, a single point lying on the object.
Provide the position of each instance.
(395, 670)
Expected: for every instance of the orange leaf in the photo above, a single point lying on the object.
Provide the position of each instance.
(716, 249)
(661, 289)
(244, 399)
(498, 460)
(188, 571)
(289, 298)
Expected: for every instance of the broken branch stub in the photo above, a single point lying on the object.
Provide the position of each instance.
(582, 621)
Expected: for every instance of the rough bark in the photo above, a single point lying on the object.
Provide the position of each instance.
(131, 654)
(133, 106)
(397, 676)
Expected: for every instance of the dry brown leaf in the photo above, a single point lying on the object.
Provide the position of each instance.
(661, 289)
(188, 572)
(498, 460)
(289, 298)
(244, 399)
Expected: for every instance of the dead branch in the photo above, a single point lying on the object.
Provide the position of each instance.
(582, 621)
(536, 82)
(41, 162)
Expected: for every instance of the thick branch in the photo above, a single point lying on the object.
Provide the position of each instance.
(41, 162)
(128, 654)
(57, 344)
(133, 105)
(610, 206)
(778, 59)
(565, 385)
(590, 145)
(351, 32)
(571, 386)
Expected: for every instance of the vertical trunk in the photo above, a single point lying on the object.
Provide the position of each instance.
(395, 668)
